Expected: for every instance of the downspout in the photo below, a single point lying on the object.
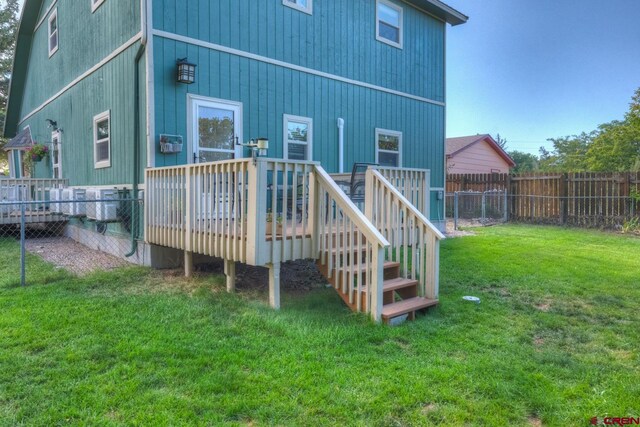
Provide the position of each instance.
(136, 133)
(341, 145)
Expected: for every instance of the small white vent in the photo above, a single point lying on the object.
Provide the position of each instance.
(73, 202)
(102, 205)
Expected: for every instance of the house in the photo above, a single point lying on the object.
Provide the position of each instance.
(477, 154)
(131, 95)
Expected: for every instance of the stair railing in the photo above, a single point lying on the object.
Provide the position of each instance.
(348, 245)
(414, 240)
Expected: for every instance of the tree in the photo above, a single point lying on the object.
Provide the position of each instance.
(8, 29)
(501, 142)
(616, 147)
(525, 162)
(568, 153)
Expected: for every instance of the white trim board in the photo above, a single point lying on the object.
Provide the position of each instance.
(44, 17)
(243, 54)
(84, 75)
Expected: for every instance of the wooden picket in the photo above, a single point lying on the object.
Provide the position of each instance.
(584, 199)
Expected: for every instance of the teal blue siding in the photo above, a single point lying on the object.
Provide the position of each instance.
(85, 39)
(267, 92)
(339, 38)
(110, 88)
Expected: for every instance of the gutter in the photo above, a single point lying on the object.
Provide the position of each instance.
(135, 220)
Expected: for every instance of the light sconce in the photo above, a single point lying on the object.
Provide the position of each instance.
(186, 71)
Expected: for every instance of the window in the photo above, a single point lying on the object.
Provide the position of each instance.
(56, 156)
(95, 4)
(388, 148)
(53, 32)
(389, 23)
(298, 137)
(305, 6)
(102, 140)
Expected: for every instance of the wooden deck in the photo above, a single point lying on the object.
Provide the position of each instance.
(267, 211)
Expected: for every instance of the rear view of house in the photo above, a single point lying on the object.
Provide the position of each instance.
(164, 97)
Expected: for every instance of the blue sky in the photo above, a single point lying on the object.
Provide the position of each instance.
(537, 69)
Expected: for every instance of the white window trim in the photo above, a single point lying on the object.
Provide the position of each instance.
(54, 15)
(400, 11)
(285, 135)
(57, 136)
(95, 4)
(103, 163)
(379, 132)
(308, 10)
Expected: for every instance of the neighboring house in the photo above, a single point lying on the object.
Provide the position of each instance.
(477, 154)
(331, 81)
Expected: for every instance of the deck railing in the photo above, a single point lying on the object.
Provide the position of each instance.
(413, 184)
(349, 246)
(239, 210)
(34, 191)
(415, 242)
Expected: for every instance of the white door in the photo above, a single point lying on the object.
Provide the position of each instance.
(216, 126)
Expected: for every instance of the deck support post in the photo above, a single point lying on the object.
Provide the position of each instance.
(230, 272)
(274, 285)
(188, 264)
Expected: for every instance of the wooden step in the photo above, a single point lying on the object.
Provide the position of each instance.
(407, 306)
(388, 265)
(398, 283)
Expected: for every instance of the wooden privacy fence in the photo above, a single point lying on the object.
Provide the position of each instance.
(591, 199)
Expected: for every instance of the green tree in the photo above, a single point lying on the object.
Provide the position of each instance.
(568, 153)
(616, 146)
(502, 142)
(525, 162)
(8, 29)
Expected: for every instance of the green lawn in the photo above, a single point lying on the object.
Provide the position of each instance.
(555, 340)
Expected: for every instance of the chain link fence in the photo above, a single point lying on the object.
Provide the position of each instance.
(43, 240)
(477, 208)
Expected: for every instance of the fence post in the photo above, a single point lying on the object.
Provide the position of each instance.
(533, 209)
(484, 207)
(455, 210)
(23, 279)
(564, 196)
(506, 206)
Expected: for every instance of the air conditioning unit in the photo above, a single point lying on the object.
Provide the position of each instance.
(102, 205)
(74, 202)
(55, 196)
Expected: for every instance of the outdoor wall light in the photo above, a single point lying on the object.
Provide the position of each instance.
(52, 124)
(186, 71)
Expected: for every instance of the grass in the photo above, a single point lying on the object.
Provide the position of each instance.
(554, 341)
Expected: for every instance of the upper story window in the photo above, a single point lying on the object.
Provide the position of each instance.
(298, 137)
(388, 148)
(305, 6)
(53, 32)
(95, 4)
(389, 23)
(102, 140)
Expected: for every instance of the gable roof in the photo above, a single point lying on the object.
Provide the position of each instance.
(441, 10)
(21, 141)
(456, 145)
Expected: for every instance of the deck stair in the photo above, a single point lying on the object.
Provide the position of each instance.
(400, 294)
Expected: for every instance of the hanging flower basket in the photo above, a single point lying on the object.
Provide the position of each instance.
(37, 152)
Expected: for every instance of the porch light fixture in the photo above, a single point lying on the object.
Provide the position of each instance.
(186, 71)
